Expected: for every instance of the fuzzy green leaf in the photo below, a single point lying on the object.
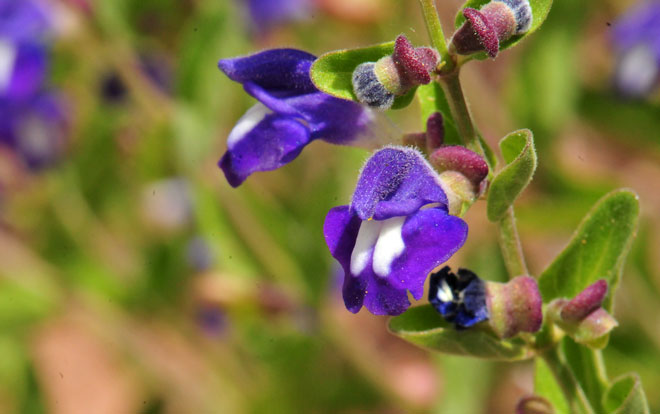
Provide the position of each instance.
(597, 250)
(540, 10)
(519, 153)
(425, 327)
(332, 72)
(626, 396)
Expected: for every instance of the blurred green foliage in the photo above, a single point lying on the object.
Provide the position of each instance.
(81, 245)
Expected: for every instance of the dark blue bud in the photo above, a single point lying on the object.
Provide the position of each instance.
(369, 89)
(460, 298)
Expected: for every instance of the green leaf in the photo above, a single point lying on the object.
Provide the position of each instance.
(425, 327)
(332, 72)
(520, 155)
(432, 99)
(586, 366)
(626, 396)
(546, 386)
(597, 250)
(540, 10)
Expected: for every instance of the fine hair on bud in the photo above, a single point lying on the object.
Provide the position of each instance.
(485, 29)
(368, 89)
(376, 84)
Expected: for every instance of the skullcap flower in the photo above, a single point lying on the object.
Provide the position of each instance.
(290, 113)
(395, 231)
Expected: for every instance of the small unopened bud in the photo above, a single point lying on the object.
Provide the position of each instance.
(585, 302)
(534, 404)
(496, 22)
(462, 173)
(435, 131)
(376, 84)
(515, 306)
(582, 317)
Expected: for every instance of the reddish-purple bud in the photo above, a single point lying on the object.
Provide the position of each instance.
(476, 34)
(496, 22)
(582, 317)
(515, 306)
(463, 160)
(585, 302)
(435, 131)
(406, 58)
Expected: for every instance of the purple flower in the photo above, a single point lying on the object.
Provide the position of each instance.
(267, 14)
(34, 129)
(23, 25)
(33, 120)
(636, 37)
(290, 114)
(395, 231)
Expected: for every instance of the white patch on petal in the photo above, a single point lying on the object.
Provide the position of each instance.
(389, 246)
(637, 71)
(8, 54)
(367, 237)
(444, 293)
(248, 121)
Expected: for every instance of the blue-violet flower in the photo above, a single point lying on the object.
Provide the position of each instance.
(636, 37)
(267, 14)
(290, 114)
(396, 230)
(33, 121)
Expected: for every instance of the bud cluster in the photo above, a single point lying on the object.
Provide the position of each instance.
(496, 22)
(376, 84)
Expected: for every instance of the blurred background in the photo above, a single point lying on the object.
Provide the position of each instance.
(134, 279)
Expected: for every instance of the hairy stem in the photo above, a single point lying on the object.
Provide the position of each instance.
(451, 85)
(514, 258)
(434, 28)
(568, 383)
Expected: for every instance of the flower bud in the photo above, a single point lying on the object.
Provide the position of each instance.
(376, 84)
(466, 300)
(534, 404)
(462, 173)
(585, 302)
(582, 317)
(515, 306)
(496, 22)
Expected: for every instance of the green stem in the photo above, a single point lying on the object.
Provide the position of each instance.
(567, 382)
(451, 85)
(512, 252)
(434, 28)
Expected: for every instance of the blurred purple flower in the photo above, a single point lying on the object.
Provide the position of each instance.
(35, 129)
(290, 114)
(33, 119)
(636, 38)
(264, 15)
(395, 231)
